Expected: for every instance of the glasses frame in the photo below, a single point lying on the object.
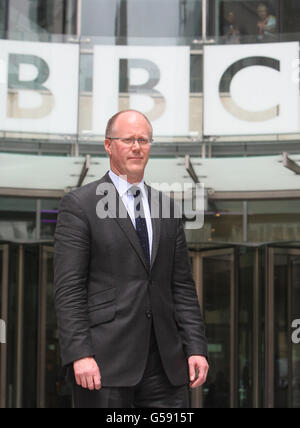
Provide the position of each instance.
(133, 140)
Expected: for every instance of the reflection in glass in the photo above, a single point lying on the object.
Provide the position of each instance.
(31, 315)
(3, 18)
(287, 308)
(40, 17)
(217, 280)
(250, 290)
(12, 331)
(142, 18)
(255, 21)
(17, 218)
(295, 351)
(29, 324)
(57, 391)
(248, 21)
(49, 212)
(273, 221)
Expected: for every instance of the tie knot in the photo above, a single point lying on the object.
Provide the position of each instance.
(135, 191)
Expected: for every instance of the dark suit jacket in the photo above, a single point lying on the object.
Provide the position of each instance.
(107, 298)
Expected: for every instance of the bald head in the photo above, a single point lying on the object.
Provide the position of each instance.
(130, 159)
(130, 117)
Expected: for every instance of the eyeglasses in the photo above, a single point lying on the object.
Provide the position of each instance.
(130, 141)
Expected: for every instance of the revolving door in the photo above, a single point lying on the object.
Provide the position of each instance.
(249, 294)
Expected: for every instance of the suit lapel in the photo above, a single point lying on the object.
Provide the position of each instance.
(153, 198)
(123, 220)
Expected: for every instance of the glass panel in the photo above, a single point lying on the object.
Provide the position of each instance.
(127, 22)
(57, 390)
(273, 221)
(12, 322)
(287, 308)
(223, 222)
(23, 325)
(289, 18)
(1, 271)
(49, 211)
(138, 86)
(217, 282)
(281, 328)
(30, 324)
(239, 21)
(245, 326)
(254, 19)
(38, 18)
(3, 320)
(142, 18)
(3, 18)
(295, 357)
(17, 218)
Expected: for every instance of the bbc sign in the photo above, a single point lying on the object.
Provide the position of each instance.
(39, 87)
(251, 89)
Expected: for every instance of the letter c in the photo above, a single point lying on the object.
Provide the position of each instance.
(231, 106)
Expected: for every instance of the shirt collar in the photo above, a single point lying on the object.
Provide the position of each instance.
(122, 185)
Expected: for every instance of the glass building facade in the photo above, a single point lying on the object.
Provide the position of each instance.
(65, 67)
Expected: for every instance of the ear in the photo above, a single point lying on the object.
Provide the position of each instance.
(107, 146)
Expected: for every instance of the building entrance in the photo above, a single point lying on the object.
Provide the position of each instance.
(250, 296)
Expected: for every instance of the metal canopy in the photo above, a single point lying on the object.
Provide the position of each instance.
(263, 177)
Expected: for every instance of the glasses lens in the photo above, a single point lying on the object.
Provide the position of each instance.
(131, 141)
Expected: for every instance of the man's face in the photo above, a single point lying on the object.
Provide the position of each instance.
(129, 160)
(230, 18)
(262, 12)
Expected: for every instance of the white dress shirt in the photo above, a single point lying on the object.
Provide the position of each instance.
(122, 187)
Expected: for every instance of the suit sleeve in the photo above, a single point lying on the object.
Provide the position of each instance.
(71, 261)
(188, 312)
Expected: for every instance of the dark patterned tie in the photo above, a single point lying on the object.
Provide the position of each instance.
(140, 221)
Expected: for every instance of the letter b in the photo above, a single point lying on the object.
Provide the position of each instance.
(35, 85)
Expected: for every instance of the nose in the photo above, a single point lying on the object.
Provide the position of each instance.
(136, 145)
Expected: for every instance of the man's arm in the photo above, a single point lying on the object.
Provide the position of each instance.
(188, 312)
(71, 261)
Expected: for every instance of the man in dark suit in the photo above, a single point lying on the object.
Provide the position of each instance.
(131, 330)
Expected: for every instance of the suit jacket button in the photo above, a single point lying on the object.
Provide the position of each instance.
(149, 313)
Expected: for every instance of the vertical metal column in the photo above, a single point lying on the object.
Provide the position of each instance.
(4, 316)
(197, 394)
(42, 328)
(204, 20)
(233, 330)
(289, 320)
(269, 330)
(75, 145)
(19, 366)
(79, 17)
(245, 221)
(7, 6)
(256, 331)
(38, 219)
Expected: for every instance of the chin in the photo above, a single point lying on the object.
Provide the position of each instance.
(136, 171)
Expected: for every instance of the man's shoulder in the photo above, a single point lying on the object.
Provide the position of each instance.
(159, 194)
(89, 190)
